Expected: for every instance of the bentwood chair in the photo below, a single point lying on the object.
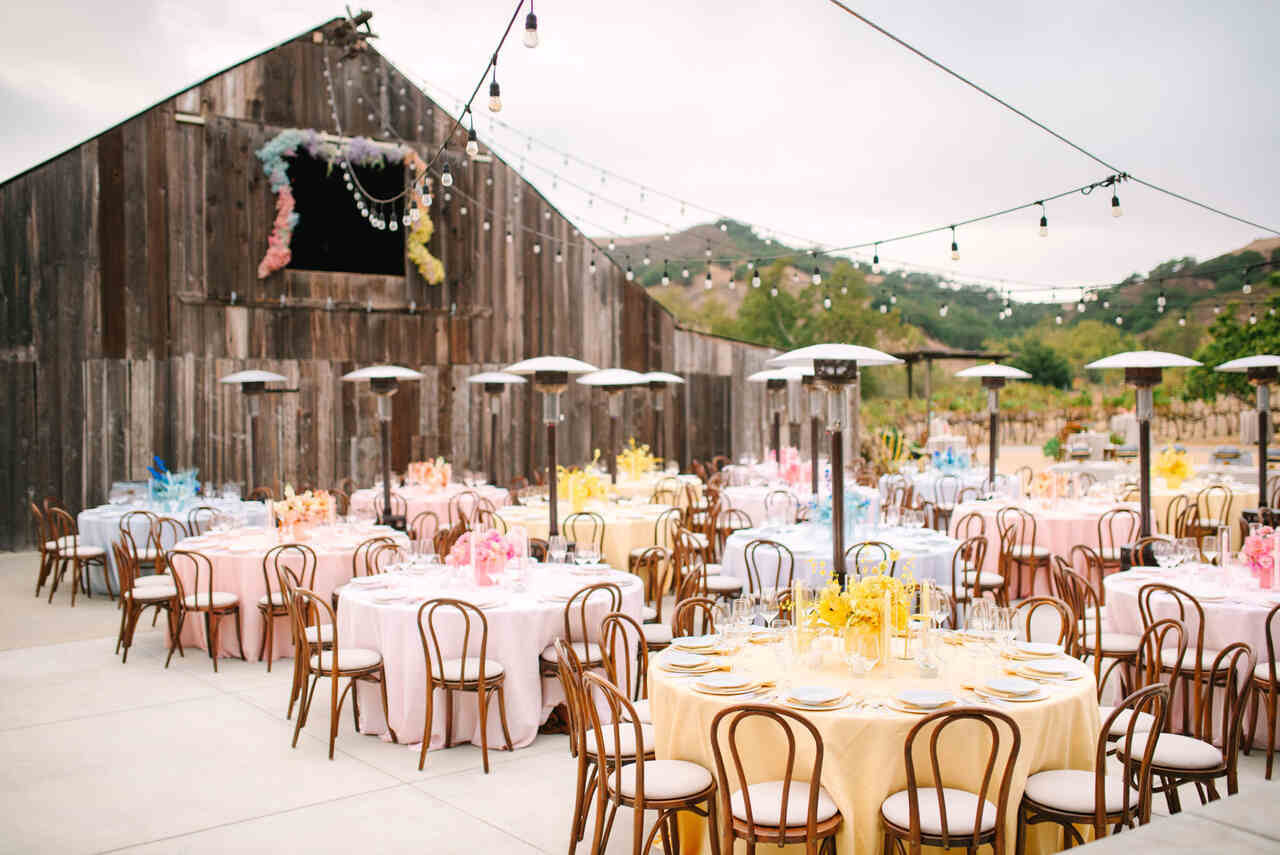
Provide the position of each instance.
(1265, 684)
(1025, 610)
(334, 663)
(946, 817)
(1092, 644)
(1195, 758)
(200, 519)
(726, 521)
(789, 810)
(1117, 527)
(946, 495)
(203, 599)
(668, 491)
(399, 505)
(318, 635)
(585, 527)
(1162, 640)
(166, 532)
(48, 547)
(968, 581)
(631, 780)
(602, 598)
(870, 557)
(1018, 549)
(970, 525)
(626, 659)
(360, 557)
(1196, 670)
(466, 673)
(538, 549)
(656, 567)
(664, 534)
(689, 612)
(136, 599)
(770, 565)
(781, 504)
(424, 527)
(1071, 797)
(1214, 504)
(261, 494)
(1175, 515)
(147, 556)
(300, 559)
(70, 552)
(341, 502)
(462, 505)
(691, 560)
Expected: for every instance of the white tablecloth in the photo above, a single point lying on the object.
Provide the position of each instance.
(421, 498)
(1101, 470)
(926, 554)
(750, 500)
(100, 526)
(925, 483)
(520, 628)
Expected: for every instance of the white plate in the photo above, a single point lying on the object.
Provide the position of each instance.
(680, 659)
(837, 705)
(906, 708)
(816, 696)
(1052, 668)
(725, 682)
(924, 699)
(1037, 648)
(1038, 695)
(367, 582)
(696, 642)
(1012, 687)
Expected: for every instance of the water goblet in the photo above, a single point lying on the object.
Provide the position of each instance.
(557, 547)
(769, 605)
(1165, 552)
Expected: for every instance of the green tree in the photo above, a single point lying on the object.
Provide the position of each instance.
(769, 319)
(1232, 339)
(1045, 365)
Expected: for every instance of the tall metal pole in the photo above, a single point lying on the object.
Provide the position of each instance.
(1144, 379)
(1264, 425)
(836, 376)
(613, 441)
(993, 384)
(553, 525)
(658, 405)
(493, 441)
(248, 454)
(386, 471)
(811, 390)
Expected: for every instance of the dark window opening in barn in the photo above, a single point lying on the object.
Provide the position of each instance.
(331, 234)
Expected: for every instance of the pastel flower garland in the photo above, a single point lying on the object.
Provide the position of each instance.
(359, 152)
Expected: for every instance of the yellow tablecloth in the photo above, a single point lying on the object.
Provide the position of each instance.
(642, 488)
(1243, 497)
(625, 526)
(862, 761)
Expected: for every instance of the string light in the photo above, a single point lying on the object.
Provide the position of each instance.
(592, 266)
(943, 309)
(531, 28)
(1044, 222)
(495, 91)
(955, 247)
(559, 255)
(685, 273)
(1057, 319)
(773, 292)
(537, 248)
(666, 279)
(1116, 210)
(446, 177)
(1119, 320)
(1253, 318)
(707, 286)
(817, 276)
(733, 283)
(755, 279)
(875, 260)
(1216, 308)
(1246, 287)
(630, 275)
(826, 302)
(1182, 321)
(509, 236)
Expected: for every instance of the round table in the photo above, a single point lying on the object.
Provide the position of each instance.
(237, 556)
(100, 526)
(1243, 496)
(521, 626)
(1100, 470)
(925, 484)
(420, 497)
(626, 526)
(642, 488)
(862, 761)
(750, 499)
(925, 554)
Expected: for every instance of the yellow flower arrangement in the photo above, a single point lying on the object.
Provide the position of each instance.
(1174, 466)
(861, 604)
(635, 460)
(580, 486)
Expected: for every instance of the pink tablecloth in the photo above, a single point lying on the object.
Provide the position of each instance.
(420, 498)
(237, 569)
(750, 499)
(1060, 525)
(521, 626)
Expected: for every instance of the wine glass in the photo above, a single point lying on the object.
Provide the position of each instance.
(586, 554)
(785, 650)
(742, 612)
(862, 653)
(769, 605)
(1006, 626)
(940, 603)
(557, 547)
(1188, 550)
(1165, 552)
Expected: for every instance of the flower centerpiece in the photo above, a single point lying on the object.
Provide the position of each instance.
(1174, 466)
(874, 605)
(1261, 552)
(170, 490)
(303, 510)
(580, 486)
(635, 460)
(435, 474)
(485, 552)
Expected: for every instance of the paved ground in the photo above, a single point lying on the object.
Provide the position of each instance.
(96, 756)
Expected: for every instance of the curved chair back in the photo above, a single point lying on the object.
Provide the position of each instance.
(1153, 701)
(626, 656)
(1239, 662)
(585, 527)
(770, 564)
(1026, 609)
(1117, 527)
(462, 505)
(970, 525)
(475, 633)
(399, 505)
(606, 596)
(781, 504)
(200, 519)
(296, 558)
(360, 558)
(687, 610)
(870, 557)
(424, 526)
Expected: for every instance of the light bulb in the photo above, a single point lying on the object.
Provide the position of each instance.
(1044, 226)
(875, 261)
(666, 236)
(630, 275)
(1160, 301)
(724, 227)
(446, 177)
(773, 292)
(463, 210)
(826, 302)
(733, 283)
(944, 309)
(509, 237)
(592, 266)
(559, 256)
(1247, 288)
(1080, 306)
(708, 251)
(537, 248)
(955, 251)
(1119, 321)
(486, 225)
(1182, 321)
(707, 285)
(755, 281)
(666, 280)
(1253, 319)
(817, 276)
(884, 309)
(893, 299)
(645, 261)
(1057, 319)
(531, 30)
(393, 225)
(751, 265)
(612, 245)
(685, 272)
(1116, 210)
(495, 98)
(473, 147)
(844, 289)
(1106, 304)
(1217, 309)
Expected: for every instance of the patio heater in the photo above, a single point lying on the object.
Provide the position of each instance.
(993, 376)
(551, 377)
(1143, 369)
(495, 383)
(835, 368)
(1262, 370)
(385, 381)
(658, 381)
(814, 394)
(775, 383)
(614, 382)
(253, 384)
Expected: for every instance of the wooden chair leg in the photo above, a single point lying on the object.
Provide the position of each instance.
(240, 638)
(502, 716)
(482, 707)
(266, 634)
(1271, 728)
(426, 727)
(386, 710)
(333, 715)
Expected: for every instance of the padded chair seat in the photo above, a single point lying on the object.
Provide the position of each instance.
(643, 711)
(698, 539)
(152, 593)
(349, 659)
(627, 741)
(1263, 671)
(1113, 643)
(766, 804)
(66, 540)
(656, 633)
(587, 652)
(1120, 726)
(458, 669)
(1073, 790)
(83, 552)
(324, 631)
(221, 599)
(962, 806)
(1109, 553)
(1169, 658)
(1175, 751)
(648, 613)
(153, 579)
(663, 779)
(988, 580)
(723, 585)
(712, 569)
(146, 553)
(1024, 552)
(275, 598)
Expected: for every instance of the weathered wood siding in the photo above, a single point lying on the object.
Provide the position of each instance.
(119, 260)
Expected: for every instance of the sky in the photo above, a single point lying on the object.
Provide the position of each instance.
(792, 116)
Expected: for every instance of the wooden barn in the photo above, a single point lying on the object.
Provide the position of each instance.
(129, 284)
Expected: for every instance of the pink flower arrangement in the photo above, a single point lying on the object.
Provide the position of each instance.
(432, 473)
(491, 553)
(1259, 552)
